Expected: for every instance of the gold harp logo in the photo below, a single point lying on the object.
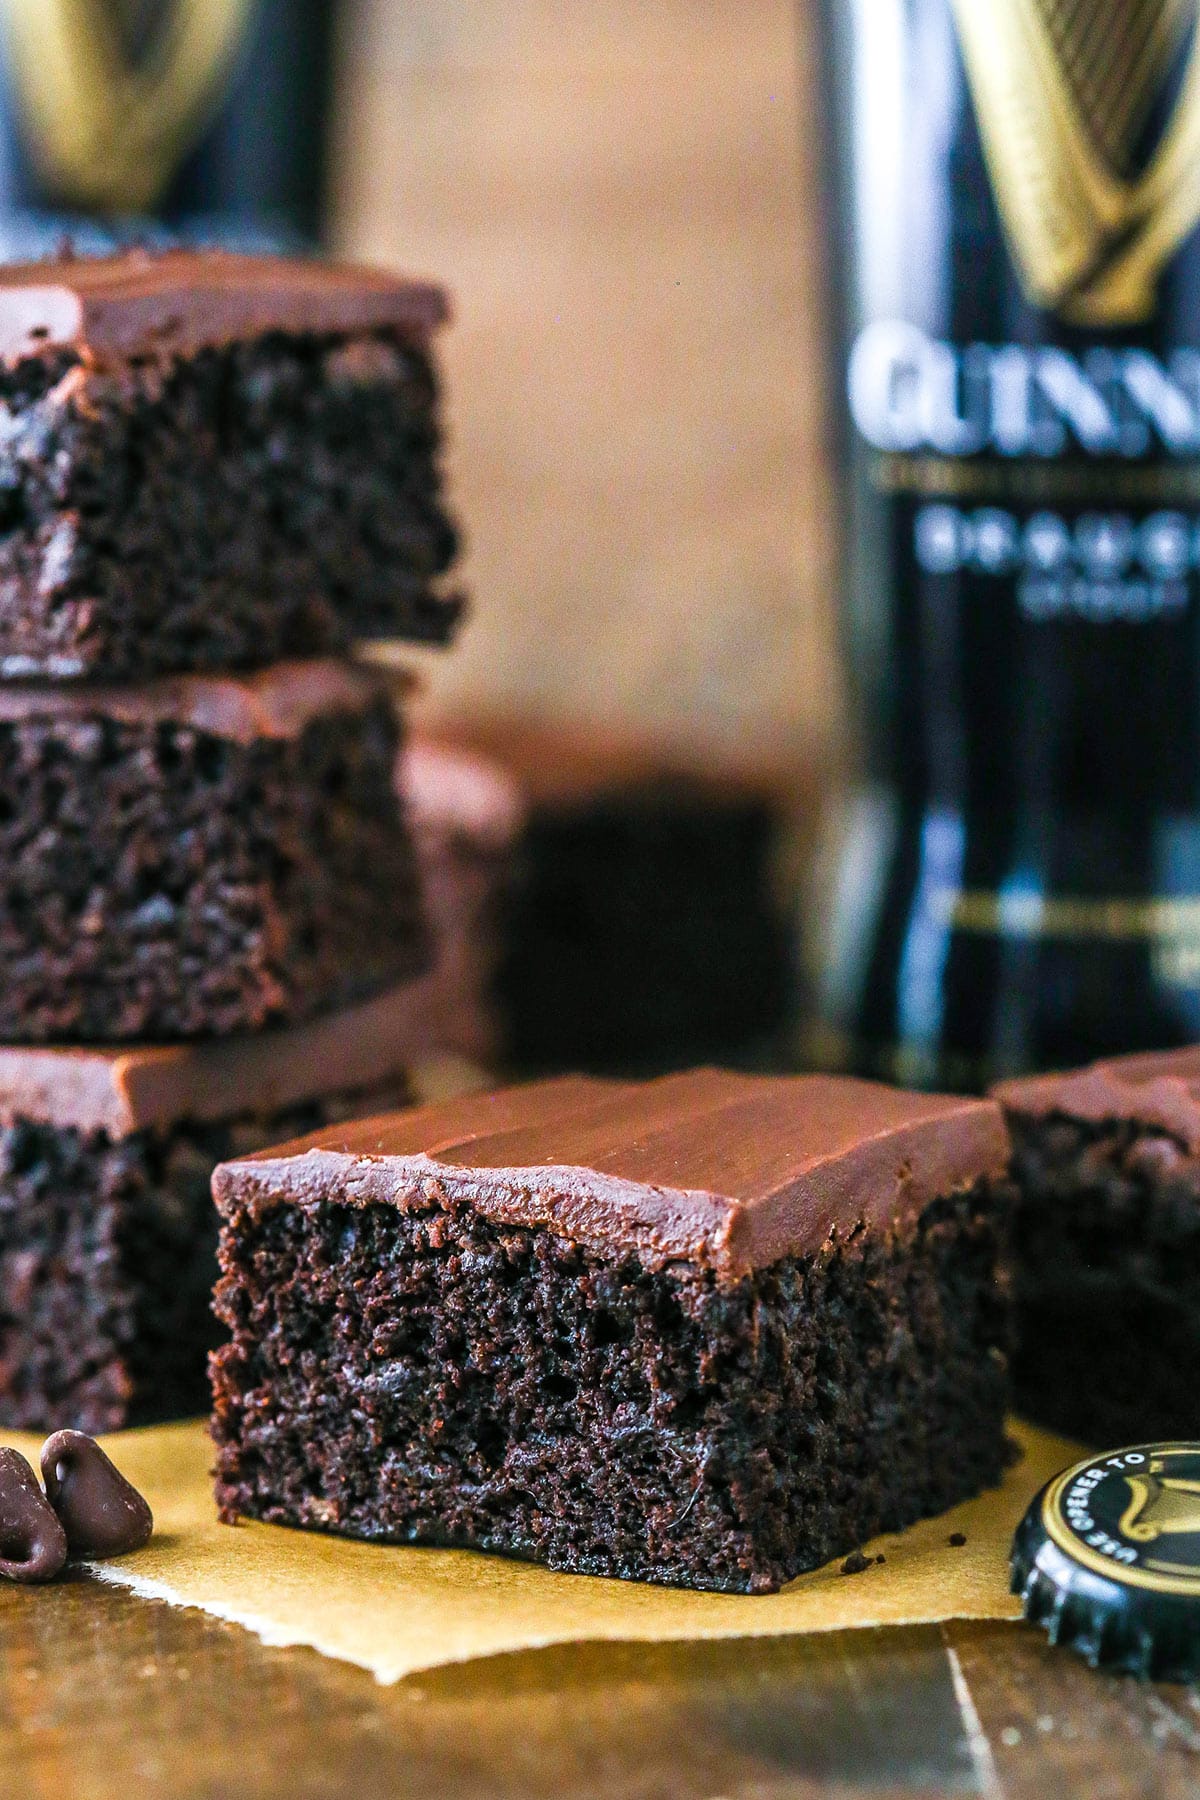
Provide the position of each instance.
(108, 127)
(1064, 92)
(1162, 1505)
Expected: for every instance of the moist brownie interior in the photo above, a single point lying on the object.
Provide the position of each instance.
(711, 1330)
(213, 461)
(107, 1227)
(1107, 1247)
(199, 855)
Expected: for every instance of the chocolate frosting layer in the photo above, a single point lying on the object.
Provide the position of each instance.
(119, 1091)
(276, 702)
(1160, 1089)
(175, 302)
(729, 1171)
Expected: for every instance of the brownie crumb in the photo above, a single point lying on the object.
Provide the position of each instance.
(855, 1563)
(349, 1325)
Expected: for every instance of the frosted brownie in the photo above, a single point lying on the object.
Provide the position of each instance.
(709, 1330)
(213, 461)
(107, 1228)
(199, 854)
(1106, 1162)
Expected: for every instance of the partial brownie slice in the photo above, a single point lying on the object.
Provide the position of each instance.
(107, 1227)
(1106, 1163)
(638, 866)
(709, 1330)
(213, 461)
(199, 855)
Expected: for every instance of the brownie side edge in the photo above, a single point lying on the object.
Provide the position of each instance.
(161, 883)
(1107, 1279)
(435, 1377)
(274, 498)
(107, 1262)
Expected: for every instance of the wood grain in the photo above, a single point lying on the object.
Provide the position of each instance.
(1054, 1727)
(624, 200)
(104, 1697)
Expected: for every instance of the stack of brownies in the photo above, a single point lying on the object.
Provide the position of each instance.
(216, 474)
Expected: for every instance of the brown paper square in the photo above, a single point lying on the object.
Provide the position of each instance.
(397, 1610)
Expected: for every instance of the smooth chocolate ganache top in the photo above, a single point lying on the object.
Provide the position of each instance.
(173, 303)
(124, 1089)
(275, 702)
(1159, 1089)
(730, 1171)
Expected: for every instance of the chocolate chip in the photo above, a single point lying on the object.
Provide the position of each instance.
(102, 1514)
(33, 1544)
(957, 1539)
(855, 1563)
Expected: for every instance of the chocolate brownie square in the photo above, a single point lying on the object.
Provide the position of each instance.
(1106, 1243)
(199, 854)
(107, 1227)
(709, 1330)
(215, 461)
(647, 924)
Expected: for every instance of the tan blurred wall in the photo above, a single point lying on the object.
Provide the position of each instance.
(622, 199)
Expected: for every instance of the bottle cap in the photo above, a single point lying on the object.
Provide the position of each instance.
(1107, 1559)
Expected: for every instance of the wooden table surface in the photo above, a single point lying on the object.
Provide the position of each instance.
(106, 1697)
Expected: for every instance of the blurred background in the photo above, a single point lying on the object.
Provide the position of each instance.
(624, 201)
(625, 204)
(638, 212)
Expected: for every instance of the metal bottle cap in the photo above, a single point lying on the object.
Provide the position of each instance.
(1107, 1559)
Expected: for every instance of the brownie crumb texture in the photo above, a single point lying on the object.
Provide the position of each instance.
(265, 499)
(1107, 1259)
(161, 882)
(418, 1374)
(107, 1262)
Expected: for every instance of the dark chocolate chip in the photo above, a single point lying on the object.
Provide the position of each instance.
(957, 1538)
(33, 1544)
(102, 1514)
(855, 1563)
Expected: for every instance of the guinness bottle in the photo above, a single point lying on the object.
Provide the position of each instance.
(1021, 869)
(206, 118)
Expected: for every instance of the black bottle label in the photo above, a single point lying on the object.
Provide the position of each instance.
(1023, 389)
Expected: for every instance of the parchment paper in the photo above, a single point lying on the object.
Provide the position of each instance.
(397, 1610)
